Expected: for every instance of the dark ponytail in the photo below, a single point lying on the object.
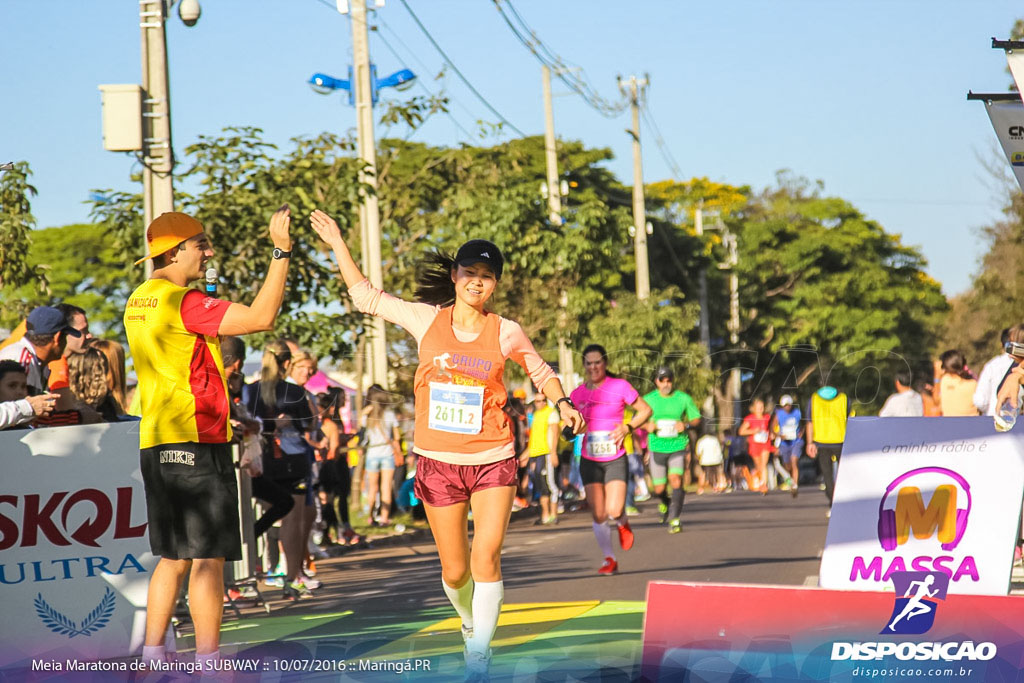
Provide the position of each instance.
(434, 284)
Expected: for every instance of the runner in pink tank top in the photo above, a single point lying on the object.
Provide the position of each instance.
(603, 399)
(464, 442)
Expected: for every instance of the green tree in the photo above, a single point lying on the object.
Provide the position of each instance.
(437, 198)
(829, 296)
(241, 186)
(641, 335)
(16, 223)
(83, 268)
(993, 301)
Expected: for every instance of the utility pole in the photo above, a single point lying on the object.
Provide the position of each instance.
(702, 290)
(157, 154)
(369, 214)
(734, 320)
(634, 89)
(554, 196)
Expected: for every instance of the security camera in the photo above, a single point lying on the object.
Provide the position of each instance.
(189, 12)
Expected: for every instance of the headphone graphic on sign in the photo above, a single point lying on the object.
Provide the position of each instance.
(887, 518)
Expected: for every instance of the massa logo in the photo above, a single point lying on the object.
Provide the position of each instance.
(942, 517)
(917, 599)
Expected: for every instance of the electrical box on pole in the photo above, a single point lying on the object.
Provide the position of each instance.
(122, 117)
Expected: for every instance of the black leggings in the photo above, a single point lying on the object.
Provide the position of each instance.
(336, 481)
(277, 495)
(539, 476)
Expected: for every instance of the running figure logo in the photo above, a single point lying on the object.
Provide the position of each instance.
(917, 596)
(441, 363)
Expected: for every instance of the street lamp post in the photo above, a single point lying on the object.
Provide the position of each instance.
(362, 86)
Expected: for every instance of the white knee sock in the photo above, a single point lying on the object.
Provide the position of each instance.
(462, 601)
(153, 653)
(487, 599)
(604, 538)
(206, 663)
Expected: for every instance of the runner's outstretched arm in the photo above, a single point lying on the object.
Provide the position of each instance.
(330, 233)
(260, 315)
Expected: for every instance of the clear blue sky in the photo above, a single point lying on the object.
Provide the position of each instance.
(868, 96)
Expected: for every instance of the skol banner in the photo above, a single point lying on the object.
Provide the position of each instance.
(1007, 116)
(1015, 60)
(74, 553)
(927, 495)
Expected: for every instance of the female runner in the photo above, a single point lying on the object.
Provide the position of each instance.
(464, 440)
(603, 399)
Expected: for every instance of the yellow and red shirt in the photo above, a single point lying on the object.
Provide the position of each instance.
(172, 334)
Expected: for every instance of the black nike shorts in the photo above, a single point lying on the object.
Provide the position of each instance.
(192, 501)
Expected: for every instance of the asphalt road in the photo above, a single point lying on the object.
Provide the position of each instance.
(728, 538)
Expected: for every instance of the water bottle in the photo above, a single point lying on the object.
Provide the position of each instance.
(1006, 416)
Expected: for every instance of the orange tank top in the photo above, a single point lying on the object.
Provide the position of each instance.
(459, 389)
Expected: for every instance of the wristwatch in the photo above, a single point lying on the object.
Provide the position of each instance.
(280, 253)
(568, 400)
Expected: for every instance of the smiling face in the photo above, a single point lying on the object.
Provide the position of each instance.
(192, 255)
(302, 371)
(474, 284)
(595, 366)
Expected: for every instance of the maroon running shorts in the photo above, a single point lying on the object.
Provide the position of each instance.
(440, 483)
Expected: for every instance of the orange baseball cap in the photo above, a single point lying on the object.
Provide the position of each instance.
(169, 230)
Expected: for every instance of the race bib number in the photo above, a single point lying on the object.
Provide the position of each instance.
(601, 445)
(667, 428)
(789, 431)
(456, 409)
(761, 437)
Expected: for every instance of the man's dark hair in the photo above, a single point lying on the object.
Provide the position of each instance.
(69, 311)
(904, 377)
(232, 349)
(9, 366)
(1004, 337)
(40, 339)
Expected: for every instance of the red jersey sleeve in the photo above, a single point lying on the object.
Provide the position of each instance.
(202, 314)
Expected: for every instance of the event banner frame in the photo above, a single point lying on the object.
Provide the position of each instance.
(925, 494)
(74, 550)
(717, 632)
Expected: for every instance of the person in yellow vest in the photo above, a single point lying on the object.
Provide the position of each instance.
(544, 448)
(189, 480)
(826, 431)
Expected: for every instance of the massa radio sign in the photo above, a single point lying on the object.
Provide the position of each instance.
(922, 518)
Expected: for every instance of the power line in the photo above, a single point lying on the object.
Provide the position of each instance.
(567, 74)
(666, 154)
(419, 81)
(401, 60)
(458, 73)
(416, 57)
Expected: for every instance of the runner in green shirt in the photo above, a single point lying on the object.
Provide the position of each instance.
(674, 412)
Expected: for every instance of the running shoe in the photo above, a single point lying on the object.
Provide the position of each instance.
(477, 664)
(632, 511)
(675, 526)
(663, 511)
(296, 590)
(641, 497)
(625, 536)
(609, 567)
(550, 520)
(274, 581)
(309, 582)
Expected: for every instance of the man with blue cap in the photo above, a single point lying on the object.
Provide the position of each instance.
(46, 335)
